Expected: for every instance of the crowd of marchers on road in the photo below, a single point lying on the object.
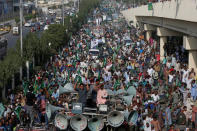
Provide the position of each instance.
(102, 57)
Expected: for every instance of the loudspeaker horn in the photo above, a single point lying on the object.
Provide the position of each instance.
(66, 89)
(120, 91)
(96, 124)
(51, 109)
(110, 92)
(127, 99)
(61, 121)
(131, 91)
(115, 118)
(78, 122)
(132, 118)
(126, 115)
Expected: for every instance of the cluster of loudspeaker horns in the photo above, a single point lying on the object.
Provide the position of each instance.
(80, 122)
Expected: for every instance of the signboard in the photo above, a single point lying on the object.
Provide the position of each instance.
(150, 6)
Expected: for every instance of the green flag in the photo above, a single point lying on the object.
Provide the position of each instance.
(50, 91)
(25, 87)
(78, 78)
(117, 83)
(74, 63)
(104, 62)
(54, 70)
(17, 111)
(35, 87)
(2, 109)
(99, 75)
(68, 77)
(118, 48)
(79, 72)
(150, 6)
(42, 85)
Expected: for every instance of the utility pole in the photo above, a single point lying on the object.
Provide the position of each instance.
(21, 36)
(3, 11)
(63, 12)
(36, 4)
(78, 5)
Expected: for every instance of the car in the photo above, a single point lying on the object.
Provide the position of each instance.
(28, 24)
(33, 24)
(94, 53)
(51, 12)
(41, 23)
(109, 18)
(57, 22)
(127, 42)
(46, 27)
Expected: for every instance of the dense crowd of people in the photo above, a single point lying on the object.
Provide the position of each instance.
(166, 89)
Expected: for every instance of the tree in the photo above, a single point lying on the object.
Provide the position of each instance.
(56, 35)
(9, 66)
(31, 44)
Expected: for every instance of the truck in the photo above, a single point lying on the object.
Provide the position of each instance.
(15, 30)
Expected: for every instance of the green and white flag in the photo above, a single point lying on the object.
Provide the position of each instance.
(68, 77)
(150, 6)
(25, 87)
(116, 85)
(104, 62)
(2, 109)
(36, 87)
(17, 111)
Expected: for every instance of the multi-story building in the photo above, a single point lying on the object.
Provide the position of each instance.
(6, 6)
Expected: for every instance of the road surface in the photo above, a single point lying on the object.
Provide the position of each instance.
(12, 39)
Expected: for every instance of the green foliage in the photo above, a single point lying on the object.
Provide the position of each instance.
(74, 23)
(17, 19)
(56, 35)
(31, 45)
(9, 65)
(29, 17)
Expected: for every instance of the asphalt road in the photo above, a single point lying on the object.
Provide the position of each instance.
(12, 39)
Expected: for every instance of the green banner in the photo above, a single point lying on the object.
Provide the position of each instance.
(150, 6)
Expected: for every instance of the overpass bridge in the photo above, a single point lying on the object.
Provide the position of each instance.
(169, 18)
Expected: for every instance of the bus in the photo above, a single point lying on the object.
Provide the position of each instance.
(3, 47)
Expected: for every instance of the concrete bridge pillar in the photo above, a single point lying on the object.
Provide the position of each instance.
(148, 35)
(163, 33)
(190, 44)
(163, 40)
(149, 28)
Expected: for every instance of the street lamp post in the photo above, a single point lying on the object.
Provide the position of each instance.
(63, 12)
(21, 36)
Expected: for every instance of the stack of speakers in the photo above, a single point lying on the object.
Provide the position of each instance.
(80, 122)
